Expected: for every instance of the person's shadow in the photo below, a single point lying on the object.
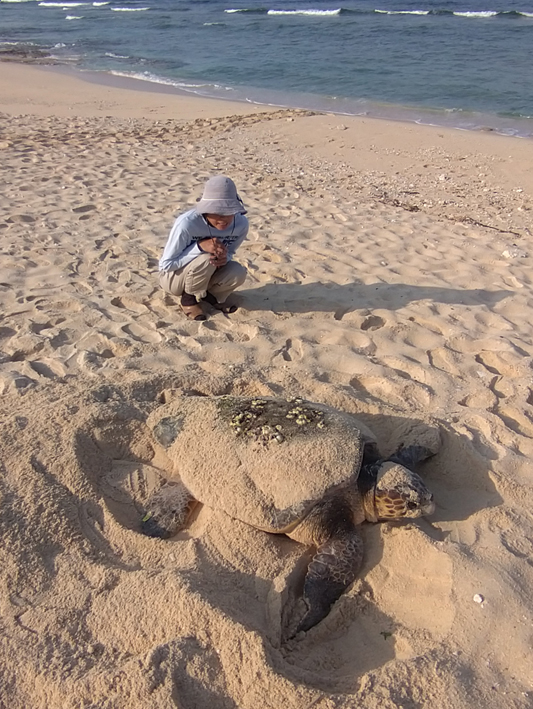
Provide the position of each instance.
(342, 299)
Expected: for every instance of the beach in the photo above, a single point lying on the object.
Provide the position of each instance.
(389, 276)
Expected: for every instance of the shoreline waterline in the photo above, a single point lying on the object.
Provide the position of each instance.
(433, 117)
(263, 99)
(350, 107)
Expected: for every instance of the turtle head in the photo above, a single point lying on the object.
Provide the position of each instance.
(400, 493)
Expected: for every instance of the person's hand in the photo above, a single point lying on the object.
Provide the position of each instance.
(209, 245)
(219, 260)
(219, 253)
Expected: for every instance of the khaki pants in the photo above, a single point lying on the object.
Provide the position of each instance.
(200, 276)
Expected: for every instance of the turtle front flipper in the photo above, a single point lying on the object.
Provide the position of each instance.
(332, 569)
(412, 455)
(167, 511)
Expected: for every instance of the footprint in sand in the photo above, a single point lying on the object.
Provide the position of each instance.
(273, 257)
(71, 306)
(129, 304)
(142, 334)
(508, 364)
(233, 332)
(6, 333)
(520, 545)
(516, 420)
(13, 379)
(48, 368)
(445, 360)
(37, 328)
(83, 210)
(484, 399)
(20, 218)
(373, 322)
(24, 346)
(96, 350)
(397, 389)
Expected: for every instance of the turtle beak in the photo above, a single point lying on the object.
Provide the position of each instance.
(369, 503)
(429, 507)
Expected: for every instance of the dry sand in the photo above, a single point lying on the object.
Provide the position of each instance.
(389, 275)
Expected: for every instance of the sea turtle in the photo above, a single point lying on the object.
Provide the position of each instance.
(289, 467)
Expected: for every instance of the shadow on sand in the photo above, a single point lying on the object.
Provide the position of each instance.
(342, 299)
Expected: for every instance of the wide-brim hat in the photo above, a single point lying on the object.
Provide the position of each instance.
(220, 197)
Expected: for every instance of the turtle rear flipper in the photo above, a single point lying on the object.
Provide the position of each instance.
(167, 511)
(332, 569)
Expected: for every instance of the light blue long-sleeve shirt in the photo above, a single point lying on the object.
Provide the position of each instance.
(191, 227)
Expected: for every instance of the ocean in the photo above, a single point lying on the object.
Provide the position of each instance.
(460, 63)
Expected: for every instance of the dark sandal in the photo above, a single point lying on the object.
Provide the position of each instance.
(222, 307)
(226, 308)
(193, 312)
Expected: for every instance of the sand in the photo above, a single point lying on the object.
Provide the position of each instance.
(389, 275)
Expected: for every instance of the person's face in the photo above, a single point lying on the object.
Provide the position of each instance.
(219, 221)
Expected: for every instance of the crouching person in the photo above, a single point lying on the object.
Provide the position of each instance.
(197, 261)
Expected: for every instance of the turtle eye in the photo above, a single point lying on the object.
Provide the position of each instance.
(411, 505)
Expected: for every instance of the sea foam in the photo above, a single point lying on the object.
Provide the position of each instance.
(485, 13)
(64, 5)
(155, 79)
(319, 13)
(403, 12)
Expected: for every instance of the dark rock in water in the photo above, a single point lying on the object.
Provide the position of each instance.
(25, 54)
